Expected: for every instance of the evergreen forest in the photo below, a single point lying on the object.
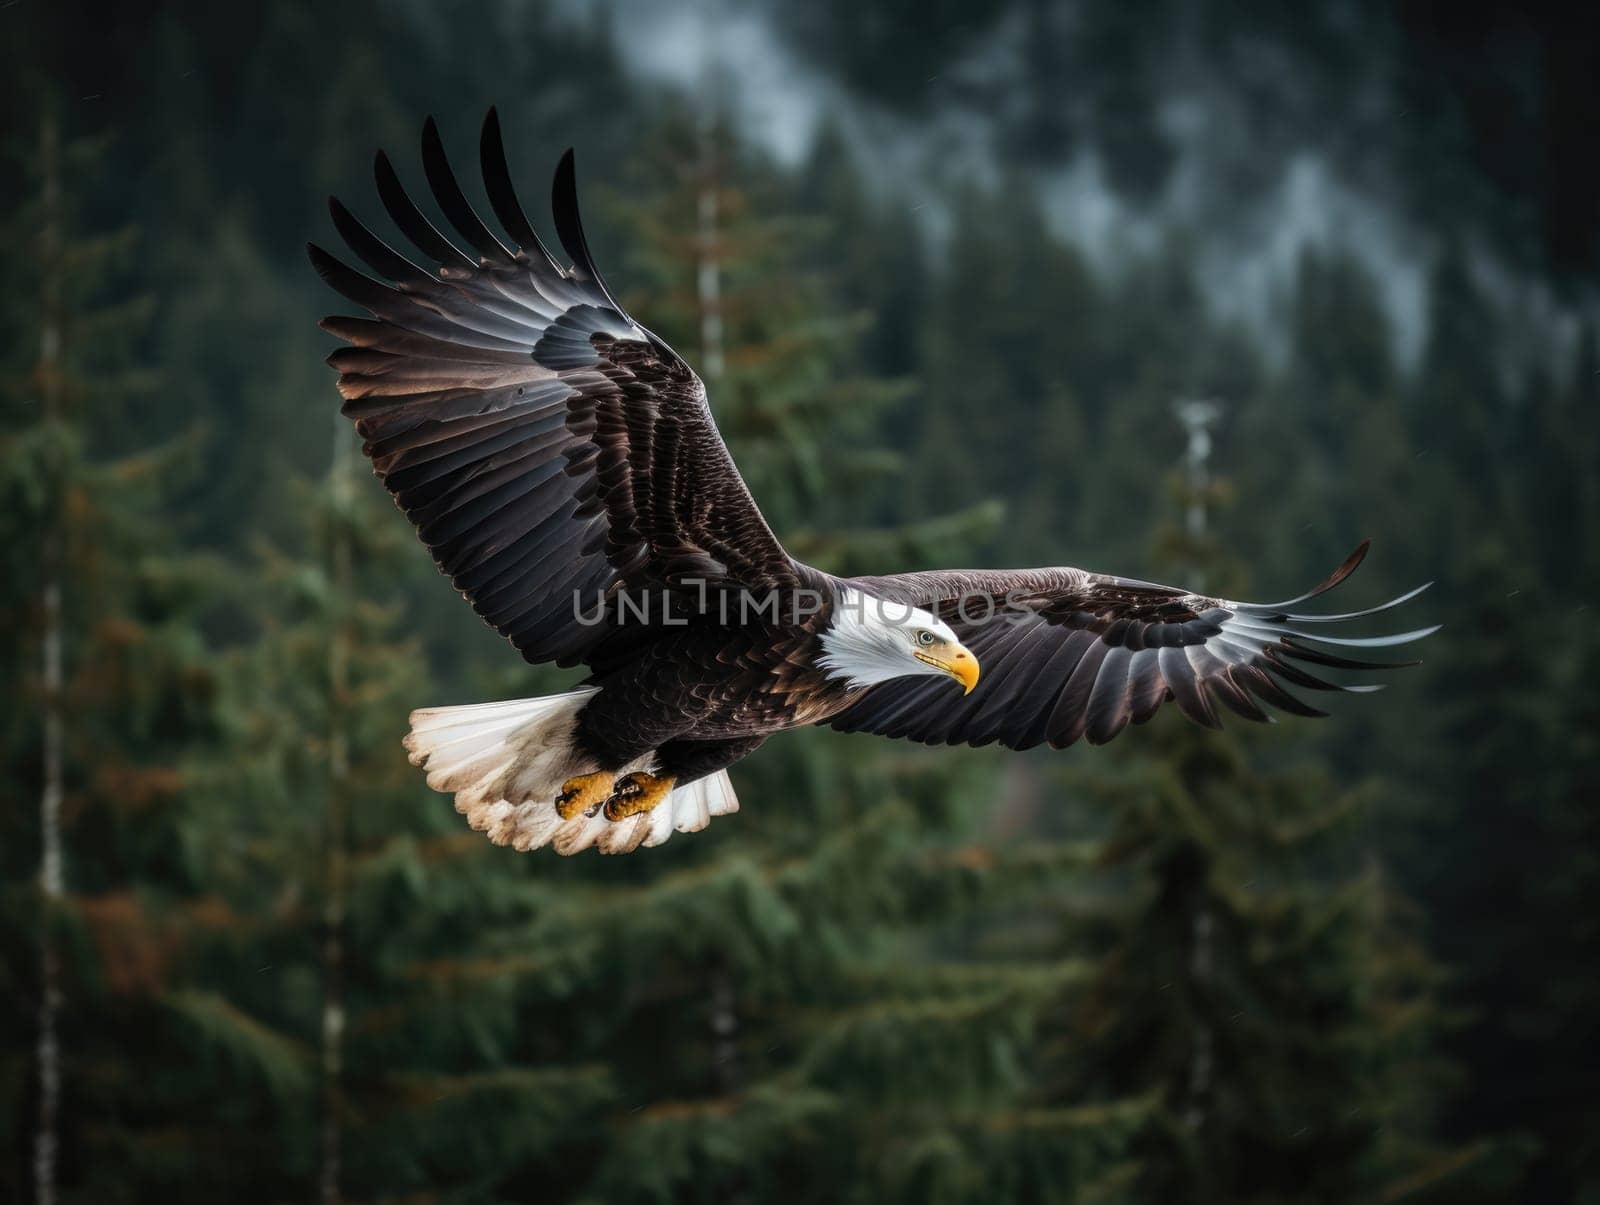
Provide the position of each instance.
(951, 273)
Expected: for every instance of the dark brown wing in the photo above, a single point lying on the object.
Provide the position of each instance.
(545, 445)
(1068, 654)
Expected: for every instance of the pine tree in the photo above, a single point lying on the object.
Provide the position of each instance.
(1011, 334)
(372, 881)
(1257, 982)
(112, 691)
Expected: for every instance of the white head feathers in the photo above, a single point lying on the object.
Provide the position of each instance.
(874, 640)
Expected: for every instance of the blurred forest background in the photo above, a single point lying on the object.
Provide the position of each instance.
(969, 258)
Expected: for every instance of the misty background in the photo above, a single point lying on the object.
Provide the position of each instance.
(969, 258)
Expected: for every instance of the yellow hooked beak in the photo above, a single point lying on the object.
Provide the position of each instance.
(955, 660)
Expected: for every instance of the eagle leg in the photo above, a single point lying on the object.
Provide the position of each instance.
(637, 793)
(584, 793)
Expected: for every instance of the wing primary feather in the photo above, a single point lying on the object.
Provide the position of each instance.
(374, 252)
(1211, 672)
(454, 202)
(1369, 642)
(1038, 703)
(405, 214)
(1071, 714)
(494, 570)
(569, 226)
(1235, 697)
(383, 336)
(888, 716)
(1260, 683)
(1266, 612)
(1293, 673)
(1355, 642)
(1186, 691)
(1012, 670)
(1110, 706)
(399, 308)
(1147, 690)
(358, 287)
(1334, 661)
(502, 194)
(1345, 569)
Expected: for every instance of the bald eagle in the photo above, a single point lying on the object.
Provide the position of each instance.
(562, 465)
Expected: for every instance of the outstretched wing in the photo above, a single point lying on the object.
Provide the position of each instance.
(546, 446)
(1069, 654)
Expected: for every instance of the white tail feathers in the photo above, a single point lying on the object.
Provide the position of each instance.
(505, 763)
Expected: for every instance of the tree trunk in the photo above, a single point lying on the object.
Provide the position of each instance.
(708, 292)
(1198, 416)
(1198, 1091)
(708, 274)
(333, 916)
(725, 1070)
(51, 878)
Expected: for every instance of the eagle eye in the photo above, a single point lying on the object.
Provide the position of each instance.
(924, 637)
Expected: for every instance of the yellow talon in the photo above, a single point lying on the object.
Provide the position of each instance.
(637, 793)
(584, 793)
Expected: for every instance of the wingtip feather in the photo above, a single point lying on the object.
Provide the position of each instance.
(324, 262)
(503, 200)
(569, 225)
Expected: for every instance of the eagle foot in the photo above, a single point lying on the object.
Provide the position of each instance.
(637, 793)
(584, 793)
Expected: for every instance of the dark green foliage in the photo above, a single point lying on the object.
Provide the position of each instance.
(143, 934)
(1255, 985)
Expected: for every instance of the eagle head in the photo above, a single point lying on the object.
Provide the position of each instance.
(870, 640)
